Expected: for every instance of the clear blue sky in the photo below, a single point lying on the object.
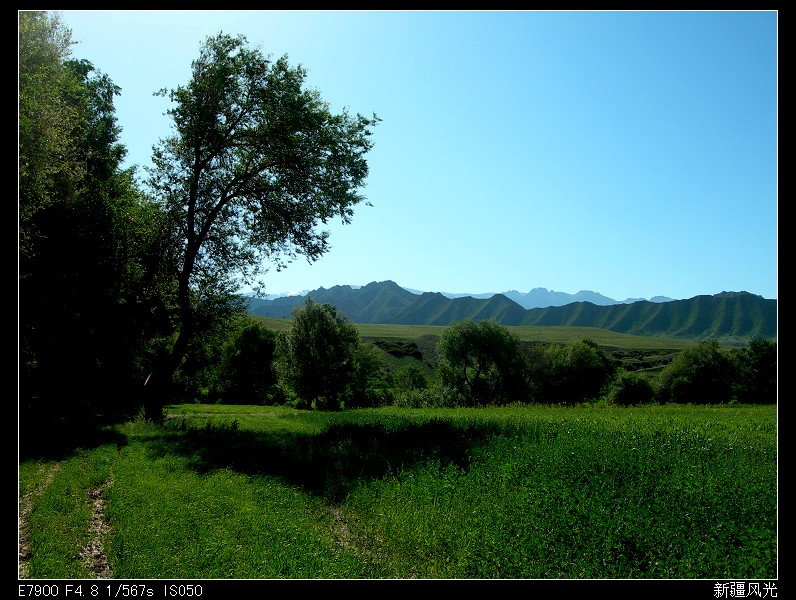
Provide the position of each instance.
(629, 153)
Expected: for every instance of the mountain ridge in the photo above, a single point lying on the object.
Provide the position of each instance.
(538, 297)
(732, 317)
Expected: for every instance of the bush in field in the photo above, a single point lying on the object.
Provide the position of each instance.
(247, 374)
(435, 395)
(370, 386)
(630, 389)
(409, 377)
(411, 388)
(480, 361)
(571, 373)
(703, 374)
(756, 372)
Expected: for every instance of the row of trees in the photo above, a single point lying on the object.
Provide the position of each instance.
(485, 363)
(122, 278)
(93, 300)
(321, 362)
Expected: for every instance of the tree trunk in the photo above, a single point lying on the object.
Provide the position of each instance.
(158, 390)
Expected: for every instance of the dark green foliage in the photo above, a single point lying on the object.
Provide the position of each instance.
(370, 386)
(409, 377)
(756, 372)
(703, 374)
(92, 298)
(200, 376)
(247, 374)
(630, 389)
(318, 356)
(411, 387)
(570, 373)
(534, 369)
(480, 362)
(399, 348)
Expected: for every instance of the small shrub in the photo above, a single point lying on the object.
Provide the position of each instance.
(630, 389)
(409, 377)
(433, 396)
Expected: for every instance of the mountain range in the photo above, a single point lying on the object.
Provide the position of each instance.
(731, 317)
(542, 298)
(537, 298)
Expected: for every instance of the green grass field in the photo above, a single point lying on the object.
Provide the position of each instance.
(532, 492)
(602, 337)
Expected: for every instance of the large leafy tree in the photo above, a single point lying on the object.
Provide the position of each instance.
(255, 163)
(48, 121)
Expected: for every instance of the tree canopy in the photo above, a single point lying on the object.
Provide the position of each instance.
(255, 164)
(318, 355)
(481, 362)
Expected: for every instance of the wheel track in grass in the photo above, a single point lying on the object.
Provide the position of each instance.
(92, 555)
(371, 551)
(23, 525)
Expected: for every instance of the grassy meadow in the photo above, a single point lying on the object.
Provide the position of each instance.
(526, 492)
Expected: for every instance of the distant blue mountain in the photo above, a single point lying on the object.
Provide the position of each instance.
(542, 298)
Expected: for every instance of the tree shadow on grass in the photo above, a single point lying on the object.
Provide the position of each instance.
(329, 463)
(59, 439)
